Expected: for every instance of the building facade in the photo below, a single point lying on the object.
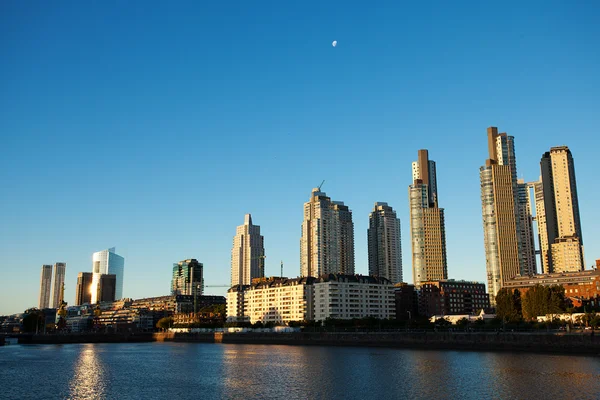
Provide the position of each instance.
(109, 262)
(451, 297)
(327, 241)
(282, 300)
(581, 284)
(188, 278)
(45, 287)
(83, 290)
(58, 285)
(561, 241)
(247, 254)
(427, 225)
(341, 296)
(384, 244)
(499, 197)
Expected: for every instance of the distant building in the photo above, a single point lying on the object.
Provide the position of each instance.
(561, 239)
(83, 290)
(327, 241)
(187, 278)
(59, 283)
(247, 253)
(103, 288)
(108, 262)
(580, 284)
(353, 296)
(500, 211)
(451, 297)
(308, 298)
(427, 226)
(407, 301)
(384, 245)
(45, 287)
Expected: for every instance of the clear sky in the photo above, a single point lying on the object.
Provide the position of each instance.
(155, 127)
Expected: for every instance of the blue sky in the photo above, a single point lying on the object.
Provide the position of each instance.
(155, 127)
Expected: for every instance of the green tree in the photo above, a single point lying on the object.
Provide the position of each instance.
(543, 300)
(165, 323)
(508, 305)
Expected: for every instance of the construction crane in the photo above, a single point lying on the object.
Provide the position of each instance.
(319, 187)
(217, 286)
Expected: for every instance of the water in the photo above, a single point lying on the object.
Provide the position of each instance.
(221, 371)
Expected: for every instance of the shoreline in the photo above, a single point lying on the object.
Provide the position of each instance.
(547, 343)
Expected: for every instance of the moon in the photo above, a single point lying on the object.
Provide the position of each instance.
(334, 43)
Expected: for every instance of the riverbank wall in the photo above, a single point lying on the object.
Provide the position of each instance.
(86, 338)
(542, 342)
(559, 343)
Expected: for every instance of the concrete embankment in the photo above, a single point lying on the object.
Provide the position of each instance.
(584, 344)
(86, 338)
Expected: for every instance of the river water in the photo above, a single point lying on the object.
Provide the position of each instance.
(229, 371)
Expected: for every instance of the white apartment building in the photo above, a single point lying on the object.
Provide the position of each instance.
(281, 300)
(353, 296)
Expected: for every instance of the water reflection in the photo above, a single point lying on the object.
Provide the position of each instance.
(88, 381)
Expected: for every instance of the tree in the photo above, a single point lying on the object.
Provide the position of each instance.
(543, 300)
(462, 323)
(33, 320)
(508, 305)
(165, 323)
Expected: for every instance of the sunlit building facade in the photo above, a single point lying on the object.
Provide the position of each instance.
(108, 262)
(247, 254)
(58, 284)
(45, 287)
(187, 278)
(427, 225)
(83, 290)
(327, 241)
(384, 244)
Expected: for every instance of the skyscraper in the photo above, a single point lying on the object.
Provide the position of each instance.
(83, 290)
(499, 196)
(427, 227)
(187, 278)
(247, 254)
(103, 288)
(525, 224)
(327, 241)
(45, 287)
(59, 281)
(108, 262)
(561, 241)
(385, 251)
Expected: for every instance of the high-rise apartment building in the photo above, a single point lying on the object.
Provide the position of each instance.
(327, 241)
(427, 227)
(108, 262)
(187, 278)
(103, 288)
(525, 223)
(83, 290)
(385, 251)
(45, 287)
(561, 241)
(500, 212)
(58, 284)
(247, 254)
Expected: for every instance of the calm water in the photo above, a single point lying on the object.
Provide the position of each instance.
(212, 371)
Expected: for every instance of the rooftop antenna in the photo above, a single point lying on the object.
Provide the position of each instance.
(282, 268)
(319, 187)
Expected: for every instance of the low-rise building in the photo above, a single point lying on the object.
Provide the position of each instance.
(341, 296)
(452, 297)
(282, 300)
(581, 284)
(407, 301)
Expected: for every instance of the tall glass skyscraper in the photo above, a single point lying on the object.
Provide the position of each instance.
(187, 278)
(109, 262)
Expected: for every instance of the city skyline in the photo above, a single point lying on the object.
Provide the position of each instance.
(129, 98)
